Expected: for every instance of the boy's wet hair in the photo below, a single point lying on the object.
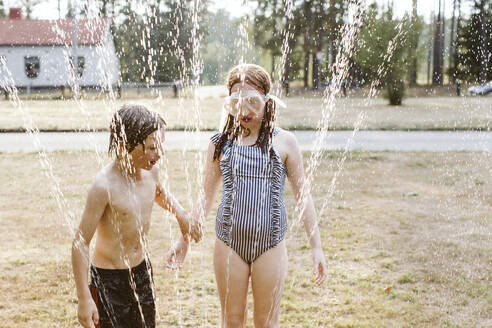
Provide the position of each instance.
(131, 125)
(257, 77)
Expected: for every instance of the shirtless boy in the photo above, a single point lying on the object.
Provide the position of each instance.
(119, 205)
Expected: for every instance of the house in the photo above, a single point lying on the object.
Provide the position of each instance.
(40, 53)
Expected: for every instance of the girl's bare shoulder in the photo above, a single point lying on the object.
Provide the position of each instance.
(285, 138)
(285, 142)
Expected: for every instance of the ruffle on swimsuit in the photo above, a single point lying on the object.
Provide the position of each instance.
(251, 217)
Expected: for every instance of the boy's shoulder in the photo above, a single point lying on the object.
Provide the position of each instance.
(104, 178)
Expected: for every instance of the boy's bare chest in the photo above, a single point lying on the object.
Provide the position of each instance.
(133, 202)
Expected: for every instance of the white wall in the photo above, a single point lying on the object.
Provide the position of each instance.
(101, 65)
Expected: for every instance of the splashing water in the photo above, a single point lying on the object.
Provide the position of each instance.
(7, 83)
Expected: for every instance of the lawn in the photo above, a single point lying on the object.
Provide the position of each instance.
(406, 235)
(303, 112)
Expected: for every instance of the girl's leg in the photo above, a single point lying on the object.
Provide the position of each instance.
(232, 276)
(268, 273)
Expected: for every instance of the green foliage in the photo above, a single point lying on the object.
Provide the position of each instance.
(395, 90)
(469, 56)
(159, 45)
(383, 51)
(269, 25)
(2, 9)
(221, 49)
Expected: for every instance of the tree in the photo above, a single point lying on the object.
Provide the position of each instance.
(2, 10)
(382, 51)
(452, 45)
(308, 41)
(69, 13)
(473, 45)
(268, 28)
(484, 36)
(28, 5)
(219, 50)
(414, 43)
(160, 44)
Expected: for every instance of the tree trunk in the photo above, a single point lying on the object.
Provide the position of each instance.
(286, 74)
(442, 39)
(483, 44)
(431, 49)
(437, 66)
(452, 47)
(307, 42)
(285, 80)
(273, 68)
(315, 72)
(414, 46)
(456, 55)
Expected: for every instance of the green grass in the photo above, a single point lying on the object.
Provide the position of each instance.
(302, 113)
(393, 261)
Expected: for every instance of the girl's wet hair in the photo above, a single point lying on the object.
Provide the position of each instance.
(257, 77)
(131, 125)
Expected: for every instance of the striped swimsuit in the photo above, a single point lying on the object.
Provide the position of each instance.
(251, 217)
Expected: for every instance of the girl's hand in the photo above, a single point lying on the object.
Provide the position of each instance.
(196, 229)
(177, 254)
(319, 265)
(190, 227)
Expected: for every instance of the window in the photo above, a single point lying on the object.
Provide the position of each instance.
(81, 65)
(32, 67)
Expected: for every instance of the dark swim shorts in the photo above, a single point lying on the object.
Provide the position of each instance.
(119, 304)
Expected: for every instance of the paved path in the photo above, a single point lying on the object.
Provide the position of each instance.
(364, 140)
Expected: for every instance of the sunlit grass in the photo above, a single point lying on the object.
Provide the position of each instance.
(393, 260)
(303, 112)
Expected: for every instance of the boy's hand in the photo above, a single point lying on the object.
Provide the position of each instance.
(177, 254)
(319, 266)
(87, 313)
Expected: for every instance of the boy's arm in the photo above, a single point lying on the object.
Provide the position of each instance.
(295, 175)
(169, 203)
(97, 199)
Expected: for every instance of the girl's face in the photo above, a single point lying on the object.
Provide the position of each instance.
(246, 104)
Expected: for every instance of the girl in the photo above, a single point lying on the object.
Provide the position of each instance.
(252, 158)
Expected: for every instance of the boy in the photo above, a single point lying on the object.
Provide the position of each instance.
(119, 206)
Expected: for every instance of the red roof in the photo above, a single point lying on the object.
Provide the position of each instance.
(34, 32)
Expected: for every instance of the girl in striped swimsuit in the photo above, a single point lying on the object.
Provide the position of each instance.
(253, 158)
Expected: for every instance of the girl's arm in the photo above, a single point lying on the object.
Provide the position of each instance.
(295, 175)
(177, 253)
(211, 185)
